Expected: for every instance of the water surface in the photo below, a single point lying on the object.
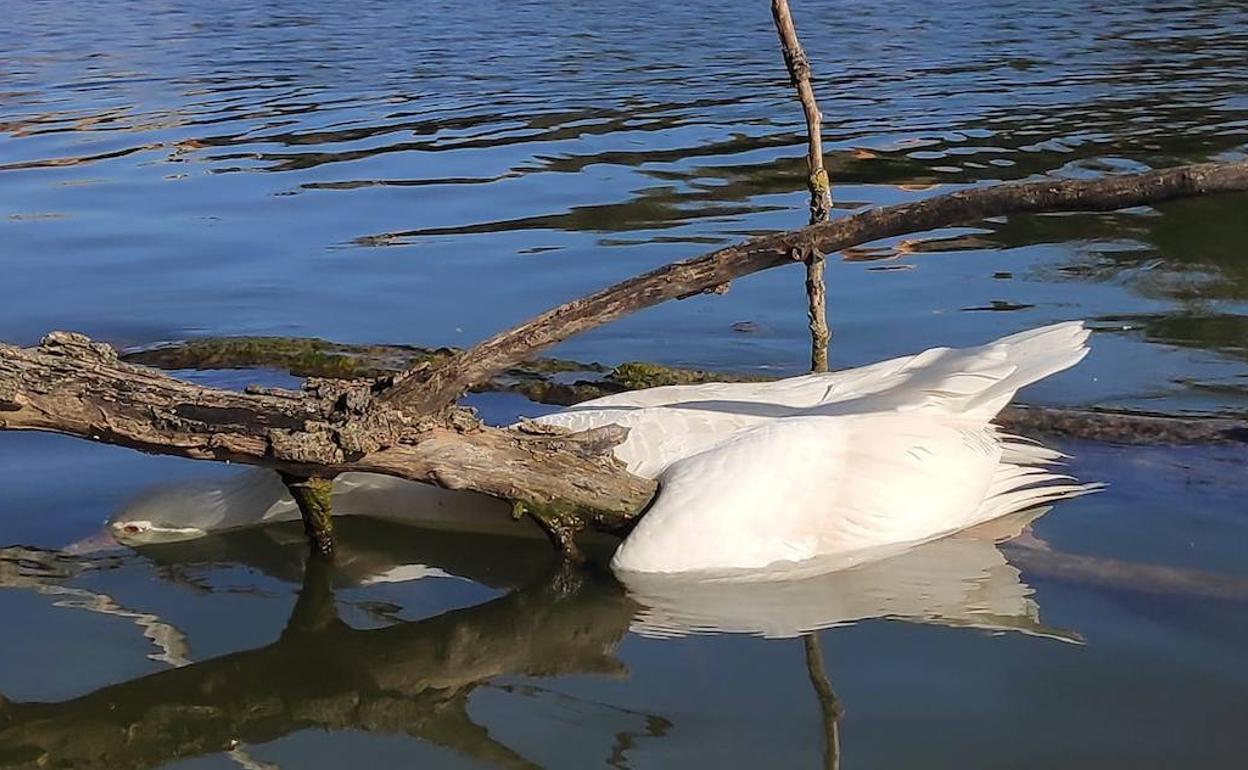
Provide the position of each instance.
(433, 172)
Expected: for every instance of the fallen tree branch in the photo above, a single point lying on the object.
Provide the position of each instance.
(71, 385)
(422, 392)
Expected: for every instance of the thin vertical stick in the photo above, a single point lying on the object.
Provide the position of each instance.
(820, 189)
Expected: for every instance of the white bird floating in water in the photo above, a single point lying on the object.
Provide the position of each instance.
(805, 474)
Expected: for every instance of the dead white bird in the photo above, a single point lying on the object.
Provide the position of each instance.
(857, 464)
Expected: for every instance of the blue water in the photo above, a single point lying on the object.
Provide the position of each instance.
(433, 172)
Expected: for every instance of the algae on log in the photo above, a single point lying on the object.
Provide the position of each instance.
(1111, 426)
(315, 357)
(314, 497)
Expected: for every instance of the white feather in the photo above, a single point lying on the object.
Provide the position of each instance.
(854, 462)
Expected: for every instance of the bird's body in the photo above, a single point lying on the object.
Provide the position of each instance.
(847, 465)
(855, 462)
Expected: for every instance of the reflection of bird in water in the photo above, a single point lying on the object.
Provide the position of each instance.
(851, 464)
(960, 581)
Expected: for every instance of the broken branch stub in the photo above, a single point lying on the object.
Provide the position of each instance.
(314, 497)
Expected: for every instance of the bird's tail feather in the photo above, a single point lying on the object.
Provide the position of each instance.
(1034, 354)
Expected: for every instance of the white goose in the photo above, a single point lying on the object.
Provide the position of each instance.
(822, 471)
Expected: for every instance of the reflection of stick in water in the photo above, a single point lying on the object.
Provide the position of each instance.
(829, 706)
(625, 740)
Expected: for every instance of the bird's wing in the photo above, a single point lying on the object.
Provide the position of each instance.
(976, 382)
(793, 489)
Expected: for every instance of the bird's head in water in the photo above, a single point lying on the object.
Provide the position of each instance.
(139, 525)
(190, 509)
(171, 513)
(161, 516)
(144, 532)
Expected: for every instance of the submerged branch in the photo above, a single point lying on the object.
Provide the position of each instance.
(423, 392)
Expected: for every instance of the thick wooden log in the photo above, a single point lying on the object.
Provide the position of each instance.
(72, 385)
(424, 392)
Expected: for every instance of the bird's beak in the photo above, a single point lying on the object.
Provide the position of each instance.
(97, 543)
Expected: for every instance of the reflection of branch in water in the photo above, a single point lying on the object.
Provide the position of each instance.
(172, 644)
(44, 571)
(41, 572)
(625, 740)
(829, 705)
(412, 678)
(1118, 574)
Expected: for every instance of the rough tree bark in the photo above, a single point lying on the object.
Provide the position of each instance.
(817, 180)
(406, 427)
(71, 385)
